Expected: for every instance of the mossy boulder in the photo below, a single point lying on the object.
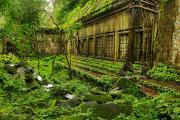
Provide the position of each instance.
(128, 86)
(74, 102)
(107, 110)
(69, 103)
(60, 92)
(115, 94)
(96, 91)
(98, 98)
(20, 64)
(10, 68)
(86, 105)
(112, 110)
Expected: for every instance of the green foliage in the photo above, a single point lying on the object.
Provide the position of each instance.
(106, 81)
(164, 73)
(25, 11)
(20, 22)
(8, 59)
(77, 87)
(164, 106)
(18, 101)
(4, 5)
(46, 65)
(129, 87)
(69, 12)
(99, 66)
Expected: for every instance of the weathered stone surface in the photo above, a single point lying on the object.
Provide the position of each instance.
(10, 68)
(98, 98)
(86, 105)
(116, 93)
(69, 103)
(60, 92)
(20, 64)
(124, 83)
(128, 86)
(111, 110)
(96, 91)
(20, 72)
(175, 51)
(107, 110)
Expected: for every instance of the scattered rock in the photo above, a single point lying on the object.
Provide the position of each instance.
(125, 82)
(112, 110)
(10, 68)
(74, 102)
(69, 103)
(39, 78)
(29, 79)
(60, 92)
(20, 64)
(47, 87)
(116, 94)
(20, 72)
(86, 105)
(128, 86)
(107, 110)
(12, 65)
(69, 96)
(29, 70)
(98, 98)
(96, 91)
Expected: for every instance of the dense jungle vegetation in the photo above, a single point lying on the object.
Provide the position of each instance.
(66, 87)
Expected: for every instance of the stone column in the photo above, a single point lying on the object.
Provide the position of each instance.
(116, 37)
(175, 52)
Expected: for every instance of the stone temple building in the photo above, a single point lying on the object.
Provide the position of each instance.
(106, 34)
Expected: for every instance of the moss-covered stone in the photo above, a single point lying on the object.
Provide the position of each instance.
(111, 110)
(128, 86)
(115, 94)
(10, 68)
(69, 103)
(86, 105)
(98, 98)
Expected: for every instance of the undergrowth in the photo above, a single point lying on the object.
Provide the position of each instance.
(164, 73)
(19, 101)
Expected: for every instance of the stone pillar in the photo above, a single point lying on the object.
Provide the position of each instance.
(175, 52)
(116, 37)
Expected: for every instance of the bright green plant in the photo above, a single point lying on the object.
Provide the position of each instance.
(164, 73)
(106, 81)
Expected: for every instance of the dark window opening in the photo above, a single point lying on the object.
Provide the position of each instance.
(91, 46)
(99, 46)
(109, 46)
(123, 45)
(84, 47)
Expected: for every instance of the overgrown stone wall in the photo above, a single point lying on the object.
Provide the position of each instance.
(48, 43)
